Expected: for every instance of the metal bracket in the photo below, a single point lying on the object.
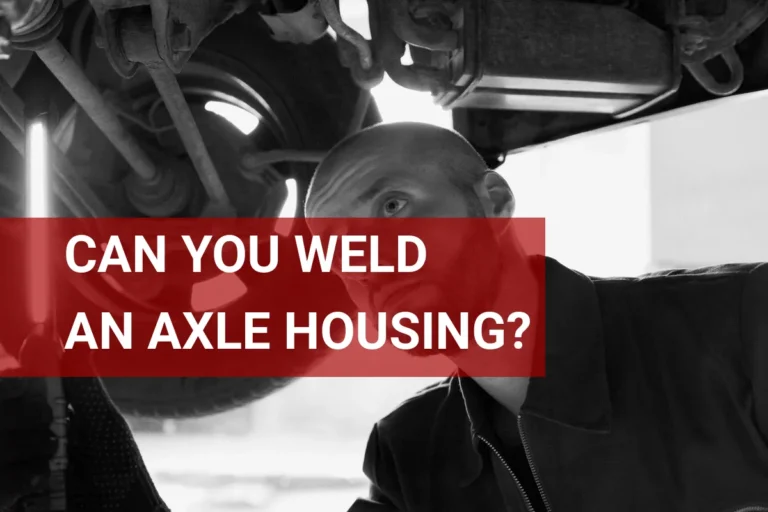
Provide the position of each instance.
(179, 26)
(304, 26)
(704, 38)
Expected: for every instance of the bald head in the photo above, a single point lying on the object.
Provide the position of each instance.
(414, 171)
(389, 157)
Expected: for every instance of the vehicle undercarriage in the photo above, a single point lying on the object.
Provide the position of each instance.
(128, 85)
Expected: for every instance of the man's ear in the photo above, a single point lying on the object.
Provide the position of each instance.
(502, 200)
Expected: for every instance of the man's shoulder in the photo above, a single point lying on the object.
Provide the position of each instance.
(734, 274)
(708, 306)
(399, 457)
(702, 291)
(415, 417)
(724, 270)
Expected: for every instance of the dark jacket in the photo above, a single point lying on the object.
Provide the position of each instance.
(655, 400)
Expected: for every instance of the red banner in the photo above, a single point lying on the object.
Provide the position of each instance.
(232, 297)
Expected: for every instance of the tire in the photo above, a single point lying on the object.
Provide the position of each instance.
(319, 97)
(188, 397)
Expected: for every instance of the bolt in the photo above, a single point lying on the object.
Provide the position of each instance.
(249, 161)
(693, 43)
(181, 37)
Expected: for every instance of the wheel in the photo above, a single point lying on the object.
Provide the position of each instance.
(305, 100)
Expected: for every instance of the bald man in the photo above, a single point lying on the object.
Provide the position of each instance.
(656, 393)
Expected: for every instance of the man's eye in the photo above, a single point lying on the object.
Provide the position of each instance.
(393, 206)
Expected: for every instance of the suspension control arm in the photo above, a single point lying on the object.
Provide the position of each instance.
(64, 67)
(139, 46)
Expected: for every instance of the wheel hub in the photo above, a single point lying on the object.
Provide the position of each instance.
(230, 121)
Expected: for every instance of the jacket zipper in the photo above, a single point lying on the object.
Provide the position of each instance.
(529, 456)
(528, 505)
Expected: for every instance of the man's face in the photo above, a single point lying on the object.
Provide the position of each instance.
(385, 186)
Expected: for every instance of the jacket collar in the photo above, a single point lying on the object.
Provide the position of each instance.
(575, 391)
